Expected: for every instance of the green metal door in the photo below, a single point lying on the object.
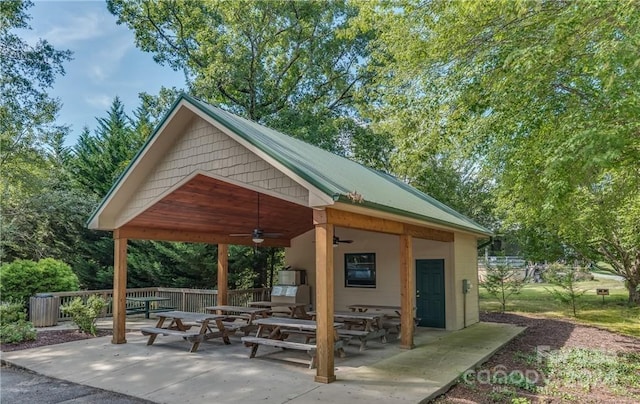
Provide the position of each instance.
(430, 293)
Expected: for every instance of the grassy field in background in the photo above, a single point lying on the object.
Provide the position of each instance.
(615, 314)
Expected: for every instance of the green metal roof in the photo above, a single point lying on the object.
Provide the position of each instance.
(331, 174)
(337, 176)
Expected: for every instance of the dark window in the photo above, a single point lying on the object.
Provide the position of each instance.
(360, 270)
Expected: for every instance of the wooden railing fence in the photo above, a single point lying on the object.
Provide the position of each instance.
(194, 300)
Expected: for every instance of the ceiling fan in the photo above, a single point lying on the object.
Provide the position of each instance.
(337, 240)
(258, 234)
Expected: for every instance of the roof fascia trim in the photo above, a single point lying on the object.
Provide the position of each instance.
(425, 220)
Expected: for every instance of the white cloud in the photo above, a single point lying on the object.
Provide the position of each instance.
(107, 61)
(77, 28)
(97, 73)
(101, 101)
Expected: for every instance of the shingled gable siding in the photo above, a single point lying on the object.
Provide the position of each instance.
(204, 147)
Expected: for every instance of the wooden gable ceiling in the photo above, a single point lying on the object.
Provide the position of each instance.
(208, 206)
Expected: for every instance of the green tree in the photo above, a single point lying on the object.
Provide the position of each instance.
(567, 290)
(542, 95)
(501, 281)
(101, 158)
(97, 161)
(156, 106)
(37, 207)
(280, 63)
(27, 112)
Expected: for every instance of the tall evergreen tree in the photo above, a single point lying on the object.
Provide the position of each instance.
(101, 157)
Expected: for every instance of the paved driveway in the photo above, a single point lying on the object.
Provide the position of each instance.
(22, 386)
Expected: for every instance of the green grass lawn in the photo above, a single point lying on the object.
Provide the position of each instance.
(615, 314)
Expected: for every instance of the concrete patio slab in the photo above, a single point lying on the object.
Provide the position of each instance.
(167, 373)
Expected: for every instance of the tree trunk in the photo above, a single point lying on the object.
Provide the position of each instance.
(634, 293)
(634, 280)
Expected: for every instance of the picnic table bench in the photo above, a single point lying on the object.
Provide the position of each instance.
(280, 328)
(257, 341)
(368, 326)
(363, 336)
(391, 321)
(180, 327)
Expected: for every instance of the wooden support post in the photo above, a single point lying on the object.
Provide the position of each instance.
(325, 372)
(407, 291)
(119, 290)
(223, 273)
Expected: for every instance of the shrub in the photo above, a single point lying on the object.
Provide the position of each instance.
(12, 312)
(17, 332)
(84, 315)
(56, 276)
(22, 279)
(19, 280)
(14, 326)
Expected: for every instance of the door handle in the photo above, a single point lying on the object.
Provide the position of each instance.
(417, 293)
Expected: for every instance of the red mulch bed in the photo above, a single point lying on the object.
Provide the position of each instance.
(555, 334)
(51, 337)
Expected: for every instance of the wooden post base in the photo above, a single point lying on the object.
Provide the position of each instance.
(407, 346)
(115, 340)
(325, 380)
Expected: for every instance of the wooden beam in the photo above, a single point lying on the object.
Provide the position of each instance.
(325, 372)
(428, 233)
(119, 289)
(140, 233)
(223, 271)
(407, 291)
(365, 222)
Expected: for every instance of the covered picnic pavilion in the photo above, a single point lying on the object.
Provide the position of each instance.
(208, 176)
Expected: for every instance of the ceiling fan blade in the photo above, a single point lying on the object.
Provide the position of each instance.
(337, 240)
(258, 232)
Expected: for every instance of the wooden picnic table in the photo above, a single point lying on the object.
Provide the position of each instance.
(179, 326)
(366, 321)
(147, 300)
(393, 321)
(294, 308)
(279, 330)
(248, 314)
(361, 325)
(363, 308)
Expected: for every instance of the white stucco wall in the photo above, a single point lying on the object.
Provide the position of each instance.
(466, 264)
(459, 258)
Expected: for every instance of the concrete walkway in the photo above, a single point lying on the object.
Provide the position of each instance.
(167, 373)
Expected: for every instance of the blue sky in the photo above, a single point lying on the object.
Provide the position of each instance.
(106, 62)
